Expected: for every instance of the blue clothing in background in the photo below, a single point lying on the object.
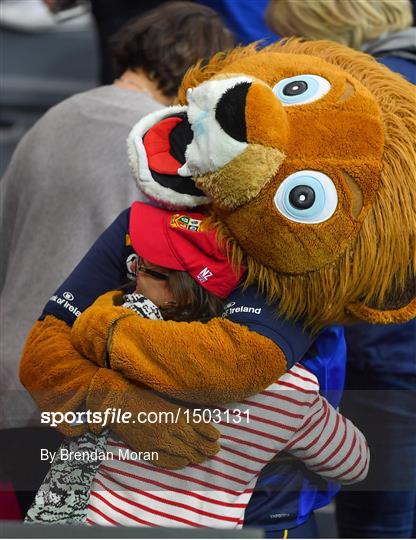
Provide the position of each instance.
(405, 67)
(308, 529)
(383, 348)
(380, 395)
(397, 51)
(245, 18)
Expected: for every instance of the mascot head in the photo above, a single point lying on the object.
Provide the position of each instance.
(306, 152)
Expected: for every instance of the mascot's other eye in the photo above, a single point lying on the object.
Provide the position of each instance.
(306, 197)
(301, 89)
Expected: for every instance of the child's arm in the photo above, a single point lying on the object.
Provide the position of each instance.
(330, 445)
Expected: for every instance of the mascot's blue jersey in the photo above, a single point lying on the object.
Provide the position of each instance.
(286, 491)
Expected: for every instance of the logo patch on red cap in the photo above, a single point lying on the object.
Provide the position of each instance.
(182, 221)
(204, 275)
(131, 263)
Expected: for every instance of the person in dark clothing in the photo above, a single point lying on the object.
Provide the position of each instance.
(201, 23)
(110, 16)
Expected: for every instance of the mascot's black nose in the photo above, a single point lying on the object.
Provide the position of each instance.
(230, 112)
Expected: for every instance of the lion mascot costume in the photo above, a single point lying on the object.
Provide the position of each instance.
(303, 154)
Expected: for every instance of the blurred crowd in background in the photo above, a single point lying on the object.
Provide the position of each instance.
(53, 49)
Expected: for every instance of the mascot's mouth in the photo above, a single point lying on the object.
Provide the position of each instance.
(187, 156)
(157, 146)
(165, 144)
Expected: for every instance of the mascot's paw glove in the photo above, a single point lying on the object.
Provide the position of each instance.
(94, 327)
(177, 441)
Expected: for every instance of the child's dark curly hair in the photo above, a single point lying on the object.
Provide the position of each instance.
(167, 40)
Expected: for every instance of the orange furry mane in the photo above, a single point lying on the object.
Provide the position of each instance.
(377, 268)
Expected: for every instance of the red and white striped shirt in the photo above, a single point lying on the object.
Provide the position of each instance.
(289, 415)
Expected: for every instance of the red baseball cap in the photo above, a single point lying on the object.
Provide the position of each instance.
(180, 241)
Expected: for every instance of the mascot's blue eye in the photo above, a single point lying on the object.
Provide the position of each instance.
(301, 89)
(307, 197)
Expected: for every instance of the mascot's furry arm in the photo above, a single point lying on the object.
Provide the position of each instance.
(60, 378)
(55, 374)
(206, 363)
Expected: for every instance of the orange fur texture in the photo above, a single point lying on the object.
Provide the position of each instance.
(176, 445)
(361, 134)
(60, 379)
(55, 374)
(137, 348)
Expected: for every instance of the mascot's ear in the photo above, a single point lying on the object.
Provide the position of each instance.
(396, 308)
(156, 147)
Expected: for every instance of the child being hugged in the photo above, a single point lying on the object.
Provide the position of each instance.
(183, 274)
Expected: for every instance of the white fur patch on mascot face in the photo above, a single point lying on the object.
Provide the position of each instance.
(211, 147)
